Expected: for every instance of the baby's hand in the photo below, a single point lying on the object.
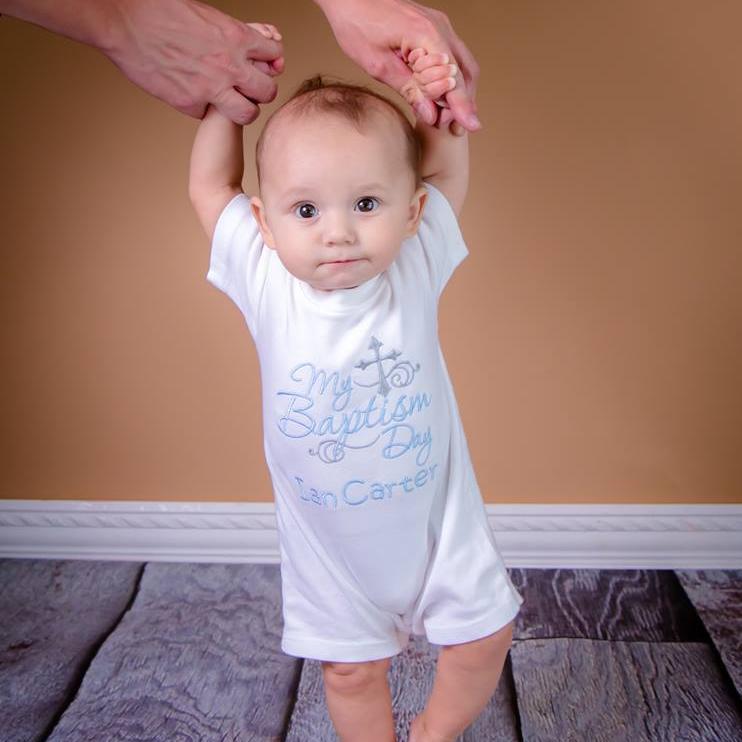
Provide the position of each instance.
(433, 77)
(270, 32)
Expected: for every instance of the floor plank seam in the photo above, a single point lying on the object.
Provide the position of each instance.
(92, 654)
(517, 717)
(292, 704)
(725, 676)
(594, 640)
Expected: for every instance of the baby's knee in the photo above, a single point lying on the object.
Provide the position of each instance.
(349, 676)
(482, 652)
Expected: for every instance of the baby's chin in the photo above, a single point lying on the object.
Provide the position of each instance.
(337, 288)
(338, 284)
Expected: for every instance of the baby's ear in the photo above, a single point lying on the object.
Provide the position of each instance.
(417, 205)
(258, 210)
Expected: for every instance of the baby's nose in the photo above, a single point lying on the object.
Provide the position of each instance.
(338, 229)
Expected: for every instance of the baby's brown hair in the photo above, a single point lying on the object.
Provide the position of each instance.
(354, 103)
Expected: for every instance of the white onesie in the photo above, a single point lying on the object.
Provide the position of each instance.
(381, 524)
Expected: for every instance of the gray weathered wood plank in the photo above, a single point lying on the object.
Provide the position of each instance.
(609, 604)
(410, 680)
(53, 614)
(197, 657)
(717, 596)
(577, 689)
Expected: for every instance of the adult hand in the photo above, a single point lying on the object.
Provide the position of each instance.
(181, 51)
(433, 76)
(379, 35)
(190, 54)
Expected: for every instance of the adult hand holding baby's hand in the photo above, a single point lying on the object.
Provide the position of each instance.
(189, 54)
(379, 36)
(433, 76)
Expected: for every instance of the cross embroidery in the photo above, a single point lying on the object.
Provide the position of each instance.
(375, 344)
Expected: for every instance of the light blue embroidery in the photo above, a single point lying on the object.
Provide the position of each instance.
(403, 438)
(345, 386)
(346, 428)
(297, 422)
(360, 492)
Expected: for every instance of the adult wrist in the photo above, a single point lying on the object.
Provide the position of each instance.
(109, 25)
(325, 5)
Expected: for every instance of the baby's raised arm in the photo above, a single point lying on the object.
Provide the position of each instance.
(217, 160)
(217, 165)
(445, 147)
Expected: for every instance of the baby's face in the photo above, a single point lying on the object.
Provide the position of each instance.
(336, 203)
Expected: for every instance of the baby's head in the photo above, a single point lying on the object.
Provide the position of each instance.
(339, 180)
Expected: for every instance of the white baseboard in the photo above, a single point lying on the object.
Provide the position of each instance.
(542, 536)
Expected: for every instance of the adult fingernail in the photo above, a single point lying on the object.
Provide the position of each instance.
(473, 121)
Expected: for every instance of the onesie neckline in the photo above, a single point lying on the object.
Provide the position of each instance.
(340, 300)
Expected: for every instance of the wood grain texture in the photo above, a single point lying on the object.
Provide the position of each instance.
(717, 596)
(192, 652)
(53, 615)
(411, 676)
(608, 604)
(197, 657)
(579, 689)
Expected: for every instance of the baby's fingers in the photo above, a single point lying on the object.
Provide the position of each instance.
(437, 88)
(435, 74)
(419, 60)
(431, 73)
(266, 29)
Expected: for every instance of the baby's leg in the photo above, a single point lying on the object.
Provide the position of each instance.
(359, 700)
(465, 679)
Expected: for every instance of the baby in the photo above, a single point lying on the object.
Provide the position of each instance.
(337, 267)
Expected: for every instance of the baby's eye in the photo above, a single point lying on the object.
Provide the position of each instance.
(366, 203)
(306, 211)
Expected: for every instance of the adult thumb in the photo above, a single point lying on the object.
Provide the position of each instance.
(463, 107)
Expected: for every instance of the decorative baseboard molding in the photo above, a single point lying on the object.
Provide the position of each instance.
(542, 536)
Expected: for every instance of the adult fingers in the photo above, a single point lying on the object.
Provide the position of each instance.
(462, 98)
(258, 46)
(469, 68)
(463, 109)
(447, 121)
(256, 83)
(270, 68)
(236, 107)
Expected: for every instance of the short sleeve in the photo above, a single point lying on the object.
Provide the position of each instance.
(239, 259)
(442, 242)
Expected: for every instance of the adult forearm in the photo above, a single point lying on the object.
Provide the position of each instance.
(80, 20)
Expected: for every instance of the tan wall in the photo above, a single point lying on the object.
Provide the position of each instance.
(594, 335)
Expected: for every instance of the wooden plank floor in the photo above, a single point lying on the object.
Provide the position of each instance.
(105, 651)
